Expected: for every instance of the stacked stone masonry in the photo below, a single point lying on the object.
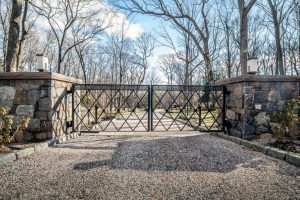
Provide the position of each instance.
(250, 99)
(42, 97)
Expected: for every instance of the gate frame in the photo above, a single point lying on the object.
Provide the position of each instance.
(150, 110)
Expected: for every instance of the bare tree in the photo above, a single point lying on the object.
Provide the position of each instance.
(142, 50)
(226, 17)
(185, 51)
(278, 11)
(168, 66)
(153, 78)
(71, 17)
(15, 34)
(179, 12)
(4, 15)
(244, 9)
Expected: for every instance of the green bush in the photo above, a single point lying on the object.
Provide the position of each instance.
(9, 126)
(285, 120)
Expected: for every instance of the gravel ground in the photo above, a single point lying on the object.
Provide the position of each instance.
(149, 166)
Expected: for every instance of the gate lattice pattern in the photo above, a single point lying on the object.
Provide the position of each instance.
(98, 107)
(111, 107)
(188, 107)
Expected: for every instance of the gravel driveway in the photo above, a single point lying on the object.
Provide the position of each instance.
(149, 166)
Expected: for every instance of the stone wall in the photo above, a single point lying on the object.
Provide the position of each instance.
(43, 97)
(251, 98)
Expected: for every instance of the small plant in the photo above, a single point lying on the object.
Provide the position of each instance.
(86, 101)
(9, 126)
(284, 121)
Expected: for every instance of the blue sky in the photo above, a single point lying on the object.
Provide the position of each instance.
(152, 24)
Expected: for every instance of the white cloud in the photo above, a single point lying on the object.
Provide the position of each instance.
(133, 30)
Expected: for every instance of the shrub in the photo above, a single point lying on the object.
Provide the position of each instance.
(9, 126)
(286, 120)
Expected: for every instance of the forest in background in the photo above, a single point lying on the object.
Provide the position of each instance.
(208, 39)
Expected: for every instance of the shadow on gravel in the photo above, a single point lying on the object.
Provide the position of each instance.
(196, 153)
(91, 165)
(84, 147)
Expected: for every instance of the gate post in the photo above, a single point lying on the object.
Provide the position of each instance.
(73, 107)
(223, 108)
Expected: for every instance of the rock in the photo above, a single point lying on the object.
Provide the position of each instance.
(248, 101)
(5, 82)
(62, 139)
(260, 96)
(19, 136)
(261, 129)
(246, 143)
(281, 105)
(293, 159)
(28, 136)
(45, 104)
(24, 152)
(248, 130)
(45, 91)
(230, 114)
(42, 115)
(33, 96)
(224, 136)
(41, 136)
(257, 106)
(7, 93)
(21, 98)
(34, 125)
(288, 86)
(266, 136)
(6, 104)
(25, 110)
(237, 90)
(247, 89)
(31, 86)
(259, 147)
(286, 95)
(273, 95)
(46, 126)
(276, 153)
(250, 120)
(235, 140)
(50, 135)
(235, 132)
(274, 126)
(262, 119)
(6, 158)
(41, 146)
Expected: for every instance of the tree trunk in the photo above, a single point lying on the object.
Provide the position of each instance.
(243, 41)
(16, 34)
(279, 53)
(229, 64)
(59, 59)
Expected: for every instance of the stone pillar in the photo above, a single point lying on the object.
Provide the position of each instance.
(251, 98)
(43, 97)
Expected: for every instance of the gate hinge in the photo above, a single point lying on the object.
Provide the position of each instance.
(226, 91)
(69, 124)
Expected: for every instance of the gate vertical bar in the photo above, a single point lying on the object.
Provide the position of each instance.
(223, 108)
(149, 108)
(73, 107)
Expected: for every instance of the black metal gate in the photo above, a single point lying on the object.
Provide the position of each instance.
(104, 107)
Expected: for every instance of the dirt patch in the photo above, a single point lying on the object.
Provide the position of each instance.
(4, 150)
(287, 145)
